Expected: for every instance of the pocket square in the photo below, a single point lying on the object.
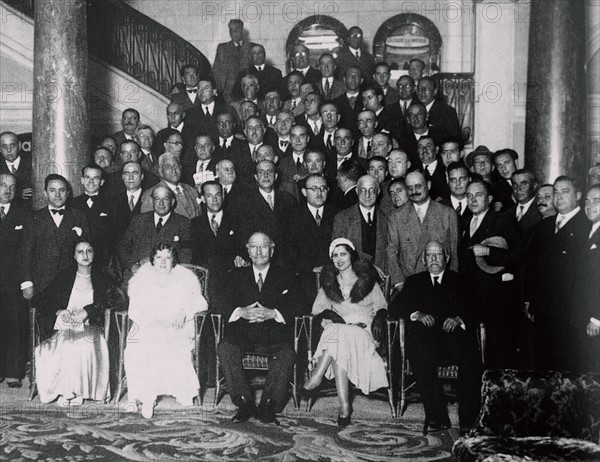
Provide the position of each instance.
(77, 230)
(231, 232)
(284, 292)
(20, 227)
(594, 246)
(104, 214)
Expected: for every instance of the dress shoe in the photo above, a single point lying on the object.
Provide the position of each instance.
(343, 422)
(14, 383)
(266, 412)
(62, 401)
(436, 425)
(77, 401)
(245, 411)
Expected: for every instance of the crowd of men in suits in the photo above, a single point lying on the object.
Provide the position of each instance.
(309, 157)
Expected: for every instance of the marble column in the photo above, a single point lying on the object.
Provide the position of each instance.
(592, 16)
(556, 132)
(60, 103)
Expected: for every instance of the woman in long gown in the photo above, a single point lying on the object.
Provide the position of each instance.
(72, 364)
(349, 305)
(163, 299)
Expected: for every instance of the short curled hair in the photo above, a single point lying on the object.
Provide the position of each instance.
(164, 246)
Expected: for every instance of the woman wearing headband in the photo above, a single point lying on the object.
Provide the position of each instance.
(349, 304)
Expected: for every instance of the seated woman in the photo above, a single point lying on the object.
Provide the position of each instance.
(72, 363)
(163, 299)
(349, 304)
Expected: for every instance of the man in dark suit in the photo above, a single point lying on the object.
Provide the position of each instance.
(439, 114)
(231, 57)
(100, 212)
(367, 124)
(525, 211)
(381, 77)
(406, 96)
(176, 121)
(311, 118)
(129, 151)
(233, 190)
(505, 161)
(265, 208)
(18, 163)
(301, 62)
(279, 139)
(188, 98)
(347, 175)
(147, 230)
(554, 261)
(203, 167)
(355, 54)
(586, 322)
(128, 203)
(458, 179)
(350, 103)
(49, 242)
(366, 224)
(490, 268)
(272, 107)
(229, 141)
(329, 87)
(202, 118)
(418, 128)
(441, 331)
(269, 77)
(14, 218)
(413, 226)
(433, 167)
(292, 167)
(309, 232)
(130, 120)
(373, 98)
(263, 300)
(325, 142)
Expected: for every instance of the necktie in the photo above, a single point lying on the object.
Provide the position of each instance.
(459, 208)
(315, 128)
(357, 55)
(260, 282)
(294, 105)
(420, 214)
(270, 201)
(224, 145)
(369, 220)
(405, 107)
(58, 211)
(436, 281)
(201, 167)
(159, 225)
(559, 221)
(207, 112)
(3, 215)
(473, 227)
(520, 214)
(214, 225)
(225, 191)
(327, 87)
(318, 218)
(369, 149)
(329, 142)
(298, 165)
(12, 168)
(352, 101)
(254, 152)
(131, 204)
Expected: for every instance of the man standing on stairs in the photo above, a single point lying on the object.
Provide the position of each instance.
(129, 121)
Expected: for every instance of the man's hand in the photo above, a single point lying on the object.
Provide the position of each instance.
(64, 316)
(79, 317)
(398, 287)
(593, 330)
(26, 193)
(480, 250)
(426, 319)
(451, 323)
(28, 293)
(240, 262)
(497, 206)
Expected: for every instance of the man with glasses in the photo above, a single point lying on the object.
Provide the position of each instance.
(300, 61)
(312, 223)
(175, 123)
(365, 224)
(329, 86)
(259, 312)
(355, 54)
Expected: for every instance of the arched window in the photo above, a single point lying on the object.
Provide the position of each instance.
(320, 34)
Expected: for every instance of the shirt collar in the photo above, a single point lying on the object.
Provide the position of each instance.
(439, 276)
(50, 207)
(179, 127)
(424, 207)
(15, 164)
(313, 210)
(364, 211)
(165, 218)
(218, 216)
(136, 194)
(263, 272)
(6, 207)
(595, 227)
(428, 107)
(525, 206)
(567, 216)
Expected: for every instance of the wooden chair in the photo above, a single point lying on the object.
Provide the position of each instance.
(390, 343)
(34, 338)
(124, 331)
(254, 361)
(444, 372)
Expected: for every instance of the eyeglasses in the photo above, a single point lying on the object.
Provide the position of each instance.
(176, 143)
(316, 189)
(255, 247)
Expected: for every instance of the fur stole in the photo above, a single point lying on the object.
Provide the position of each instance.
(367, 277)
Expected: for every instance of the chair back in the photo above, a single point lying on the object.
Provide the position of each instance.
(202, 274)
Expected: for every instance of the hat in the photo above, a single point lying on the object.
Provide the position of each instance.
(479, 151)
(340, 241)
(494, 241)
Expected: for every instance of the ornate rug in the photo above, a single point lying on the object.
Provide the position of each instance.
(99, 433)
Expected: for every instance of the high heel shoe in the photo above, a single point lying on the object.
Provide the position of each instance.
(344, 421)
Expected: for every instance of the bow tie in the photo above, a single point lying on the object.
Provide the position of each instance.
(58, 211)
(192, 90)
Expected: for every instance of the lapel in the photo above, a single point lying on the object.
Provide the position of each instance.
(485, 228)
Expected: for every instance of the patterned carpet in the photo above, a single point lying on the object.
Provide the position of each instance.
(104, 433)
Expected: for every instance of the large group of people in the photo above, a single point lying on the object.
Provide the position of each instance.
(266, 181)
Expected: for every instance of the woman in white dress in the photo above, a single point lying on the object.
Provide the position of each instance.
(163, 299)
(72, 358)
(349, 306)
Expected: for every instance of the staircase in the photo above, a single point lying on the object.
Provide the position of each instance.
(133, 62)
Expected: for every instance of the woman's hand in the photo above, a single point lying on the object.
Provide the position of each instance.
(179, 323)
(64, 316)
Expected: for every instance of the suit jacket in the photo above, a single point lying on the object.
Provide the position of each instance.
(183, 98)
(229, 60)
(239, 153)
(269, 79)
(338, 88)
(57, 294)
(23, 174)
(124, 214)
(280, 291)
(391, 96)
(502, 192)
(386, 123)
(587, 289)
(465, 214)
(188, 170)
(272, 139)
(119, 138)
(141, 237)
(347, 114)
(343, 201)
(443, 116)
(287, 167)
(102, 219)
(299, 109)
(308, 244)
(116, 187)
(186, 206)
(348, 224)
(439, 184)
(409, 143)
(12, 232)
(46, 249)
(201, 124)
(407, 238)
(216, 253)
(188, 134)
(366, 62)
(528, 222)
